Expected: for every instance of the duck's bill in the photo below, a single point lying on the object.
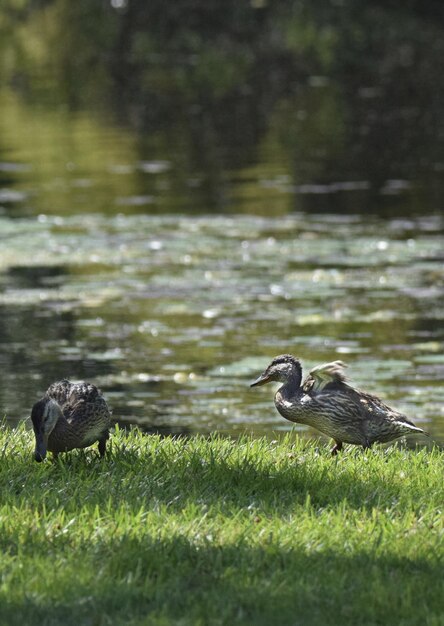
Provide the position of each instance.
(40, 448)
(262, 380)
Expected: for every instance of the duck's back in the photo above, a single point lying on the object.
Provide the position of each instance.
(59, 391)
(79, 401)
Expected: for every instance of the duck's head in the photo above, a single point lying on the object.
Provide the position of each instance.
(282, 369)
(44, 416)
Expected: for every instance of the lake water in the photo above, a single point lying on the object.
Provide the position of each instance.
(167, 254)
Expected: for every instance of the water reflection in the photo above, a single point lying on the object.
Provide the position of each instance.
(186, 192)
(336, 108)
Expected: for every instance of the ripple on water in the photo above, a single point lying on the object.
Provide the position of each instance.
(174, 315)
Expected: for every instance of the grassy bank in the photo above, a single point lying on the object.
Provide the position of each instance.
(175, 531)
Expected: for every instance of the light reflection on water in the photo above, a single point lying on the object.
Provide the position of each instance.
(174, 315)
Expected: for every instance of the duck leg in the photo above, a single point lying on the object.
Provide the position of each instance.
(102, 444)
(336, 448)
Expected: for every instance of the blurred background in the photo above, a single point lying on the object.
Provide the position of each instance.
(190, 188)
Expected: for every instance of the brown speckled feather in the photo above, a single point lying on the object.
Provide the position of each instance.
(85, 412)
(339, 410)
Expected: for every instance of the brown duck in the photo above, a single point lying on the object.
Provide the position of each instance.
(70, 415)
(328, 403)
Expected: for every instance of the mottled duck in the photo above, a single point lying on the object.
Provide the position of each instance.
(327, 402)
(70, 415)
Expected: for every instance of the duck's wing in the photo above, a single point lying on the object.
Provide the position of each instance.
(323, 375)
(376, 412)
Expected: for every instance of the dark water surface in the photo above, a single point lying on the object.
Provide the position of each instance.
(174, 213)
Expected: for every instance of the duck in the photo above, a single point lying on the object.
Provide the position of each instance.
(70, 415)
(327, 402)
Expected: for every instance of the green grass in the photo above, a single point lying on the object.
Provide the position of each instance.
(215, 531)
